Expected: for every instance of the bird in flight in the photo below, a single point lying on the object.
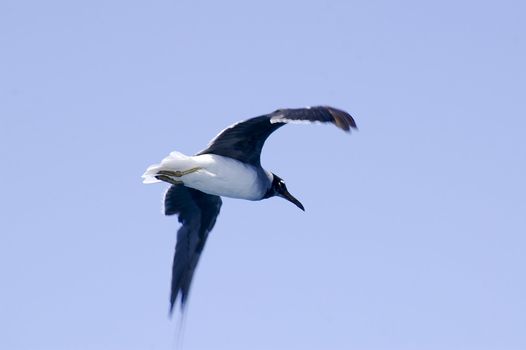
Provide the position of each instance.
(230, 167)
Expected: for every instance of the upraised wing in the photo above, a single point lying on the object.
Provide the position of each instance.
(197, 213)
(244, 140)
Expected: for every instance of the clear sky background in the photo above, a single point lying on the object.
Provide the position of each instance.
(414, 235)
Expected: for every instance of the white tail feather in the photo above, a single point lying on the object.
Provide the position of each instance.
(175, 161)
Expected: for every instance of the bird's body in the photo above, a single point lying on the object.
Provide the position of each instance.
(216, 175)
(230, 166)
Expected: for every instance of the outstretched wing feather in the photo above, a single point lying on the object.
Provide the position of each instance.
(244, 140)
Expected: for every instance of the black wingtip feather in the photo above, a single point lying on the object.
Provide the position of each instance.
(342, 119)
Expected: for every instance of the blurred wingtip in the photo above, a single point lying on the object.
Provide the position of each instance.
(182, 308)
(342, 119)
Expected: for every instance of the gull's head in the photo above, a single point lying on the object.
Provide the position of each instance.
(278, 188)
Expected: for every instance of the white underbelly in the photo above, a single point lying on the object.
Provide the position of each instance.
(224, 176)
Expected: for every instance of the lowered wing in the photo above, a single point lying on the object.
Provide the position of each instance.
(197, 213)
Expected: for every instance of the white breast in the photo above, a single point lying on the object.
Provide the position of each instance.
(224, 176)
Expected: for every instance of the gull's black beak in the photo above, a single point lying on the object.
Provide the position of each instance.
(279, 189)
(285, 194)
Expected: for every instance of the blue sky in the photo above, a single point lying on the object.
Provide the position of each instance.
(414, 230)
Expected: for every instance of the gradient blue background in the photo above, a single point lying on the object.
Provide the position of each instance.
(414, 234)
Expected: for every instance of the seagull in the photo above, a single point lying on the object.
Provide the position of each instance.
(229, 167)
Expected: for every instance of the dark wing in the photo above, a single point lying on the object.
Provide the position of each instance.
(244, 140)
(197, 213)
